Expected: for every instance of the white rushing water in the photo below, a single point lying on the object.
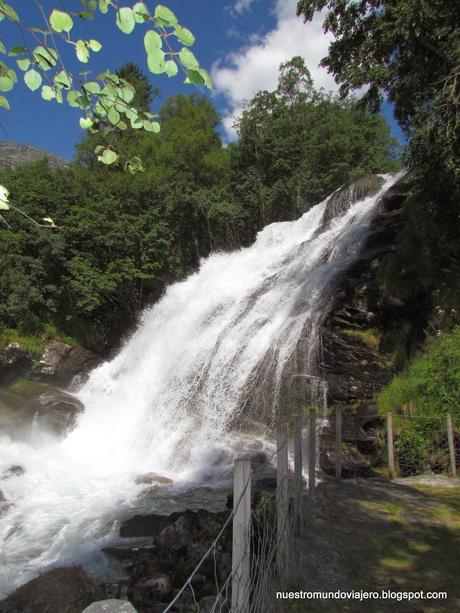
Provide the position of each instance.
(165, 402)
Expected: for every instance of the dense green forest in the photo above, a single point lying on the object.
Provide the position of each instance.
(122, 237)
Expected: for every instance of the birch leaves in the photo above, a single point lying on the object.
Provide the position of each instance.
(106, 99)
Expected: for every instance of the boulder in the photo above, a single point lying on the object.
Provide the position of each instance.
(147, 525)
(150, 478)
(14, 363)
(61, 590)
(61, 362)
(113, 605)
(15, 470)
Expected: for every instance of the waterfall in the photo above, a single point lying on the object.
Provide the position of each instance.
(173, 398)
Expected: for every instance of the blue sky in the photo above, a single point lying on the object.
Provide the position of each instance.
(241, 42)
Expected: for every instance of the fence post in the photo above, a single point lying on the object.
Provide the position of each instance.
(450, 437)
(391, 456)
(241, 536)
(338, 444)
(298, 472)
(312, 454)
(282, 498)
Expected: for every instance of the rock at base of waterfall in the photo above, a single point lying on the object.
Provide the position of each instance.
(151, 478)
(61, 362)
(14, 362)
(15, 470)
(61, 590)
(113, 605)
(157, 587)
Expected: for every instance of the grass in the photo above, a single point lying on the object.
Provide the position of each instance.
(370, 337)
(34, 344)
(378, 535)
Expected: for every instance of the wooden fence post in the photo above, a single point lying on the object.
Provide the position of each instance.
(338, 443)
(391, 456)
(312, 454)
(450, 437)
(241, 536)
(298, 472)
(282, 498)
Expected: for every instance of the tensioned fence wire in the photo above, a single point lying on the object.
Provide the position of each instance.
(270, 550)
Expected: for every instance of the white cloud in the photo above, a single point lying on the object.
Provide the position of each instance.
(256, 66)
(242, 5)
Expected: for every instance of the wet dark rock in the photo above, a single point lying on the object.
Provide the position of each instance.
(147, 525)
(151, 478)
(58, 410)
(60, 362)
(341, 200)
(363, 338)
(12, 471)
(161, 561)
(111, 605)
(62, 590)
(14, 363)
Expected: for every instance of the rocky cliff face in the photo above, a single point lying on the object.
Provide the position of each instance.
(14, 154)
(365, 338)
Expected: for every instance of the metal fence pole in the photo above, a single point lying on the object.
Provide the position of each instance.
(391, 456)
(338, 443)
(282, 498)
(241, 536)
(450, 437)
(298, 472)
(312, 454)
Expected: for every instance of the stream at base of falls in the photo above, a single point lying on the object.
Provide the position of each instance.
(171, 402)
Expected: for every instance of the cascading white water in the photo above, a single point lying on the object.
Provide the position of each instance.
(165, 402)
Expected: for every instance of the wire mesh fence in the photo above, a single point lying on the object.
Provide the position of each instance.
(269, 521)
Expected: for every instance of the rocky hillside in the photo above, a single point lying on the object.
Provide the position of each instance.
(366, 338)
(15, 154)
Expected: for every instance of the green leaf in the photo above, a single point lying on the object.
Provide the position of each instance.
(6, 82)
(49, 220)
(194, 77)
(171, 68)
(136, 123)
(4, 104)
(140, 12)
(48, 93)
(9, 11)
(4, 206)
(33, 79)
(127, 94)
(23, 64)
(113, 116)
(95, 45)
(108, 157)
(82, 51)
(62, 79)
(152, 41)
(92, 87)
(61, 21)
(184, 35)
(156, 61)
(2, 48)
(59, 96)
(207, 79)
(104, 5)
(125, 19)
(86, 123)
(151, 126)
(165, 16)
(18, 50)
(188, 60)
(45, 57)
(72, 98)
(4, 195)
